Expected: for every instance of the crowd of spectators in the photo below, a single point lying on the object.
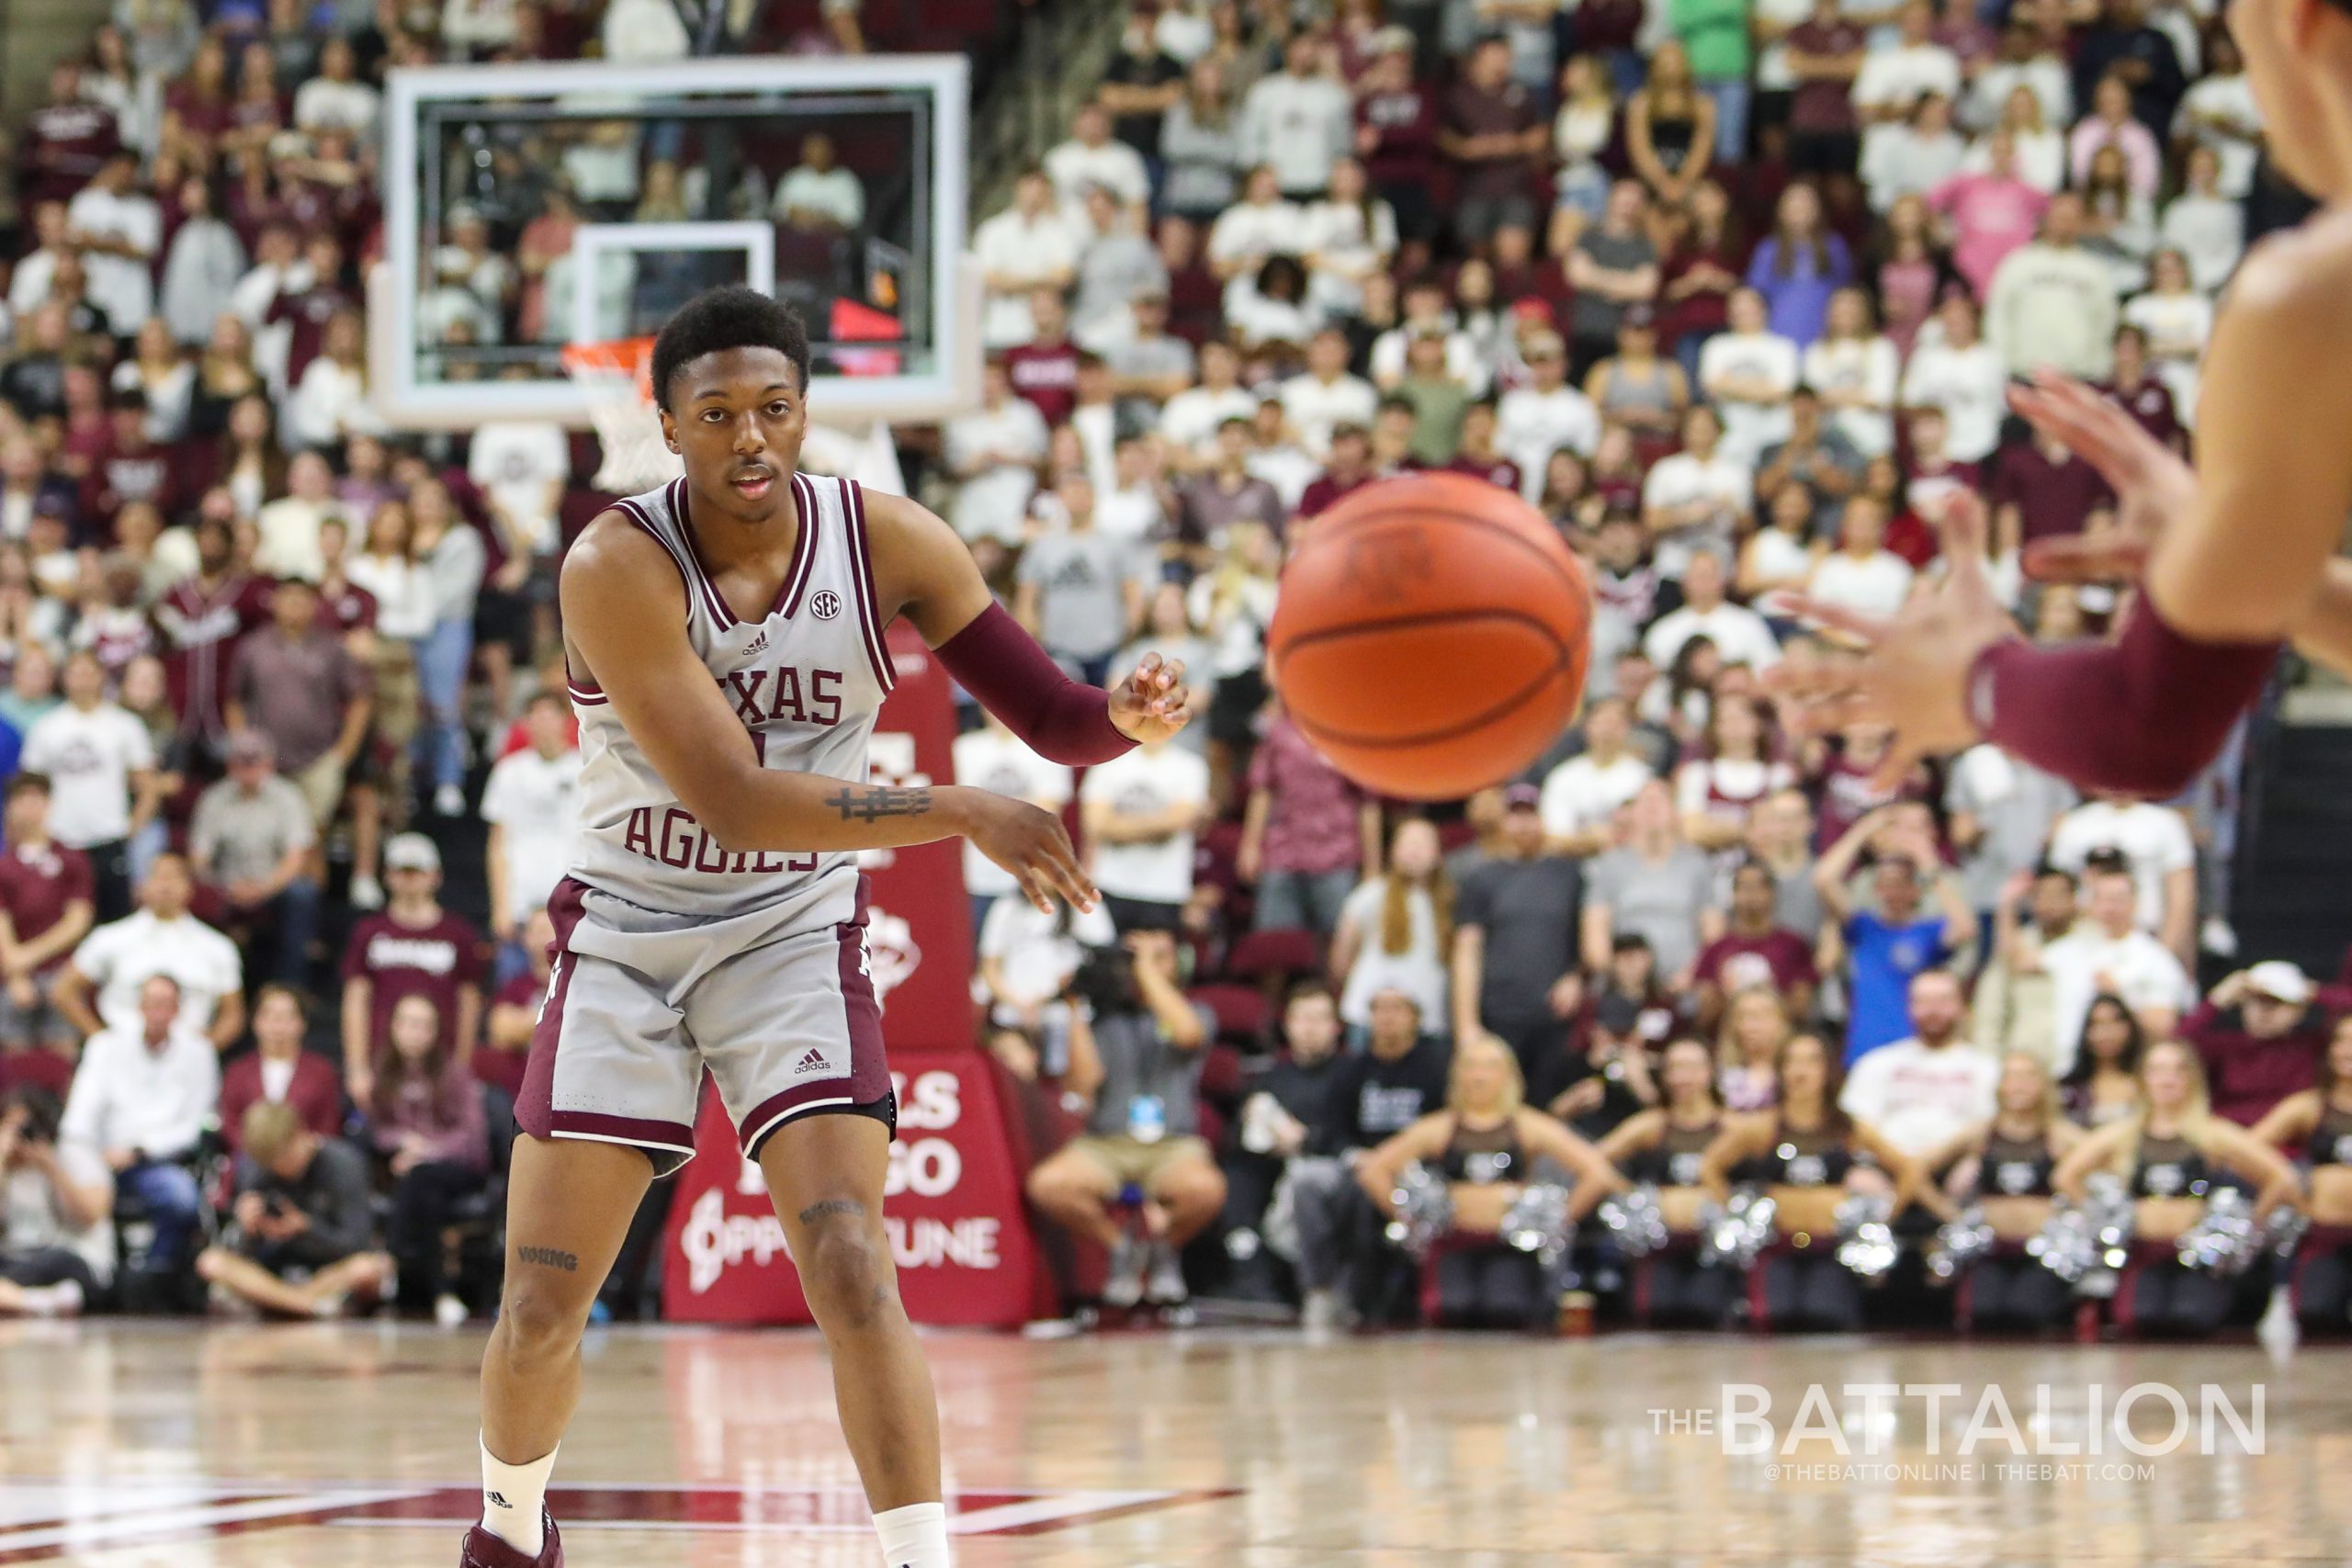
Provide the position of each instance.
(1729, 292)
(1732, 293)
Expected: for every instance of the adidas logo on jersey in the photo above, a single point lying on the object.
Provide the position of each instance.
(814, 1062)
(759, 645)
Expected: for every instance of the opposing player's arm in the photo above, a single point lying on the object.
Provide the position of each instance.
(624, 614)
(922, 572)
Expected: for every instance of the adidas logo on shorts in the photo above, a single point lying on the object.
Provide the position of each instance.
(814, 1062)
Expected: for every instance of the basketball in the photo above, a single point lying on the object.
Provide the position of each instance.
(1431, 635)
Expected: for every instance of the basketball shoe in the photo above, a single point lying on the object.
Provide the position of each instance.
(485, 1550)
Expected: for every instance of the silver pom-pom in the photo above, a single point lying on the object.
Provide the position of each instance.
(1866, 1243)
(2093, 1233)
(1960, 1241)
(1537, 1222)
(1635, 1219)
(2225, 1239)
(1736, 1233)
(1424, 1210)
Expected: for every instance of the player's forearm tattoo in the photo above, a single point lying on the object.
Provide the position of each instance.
(548, 1257)
(877, 801)
(848, 1208)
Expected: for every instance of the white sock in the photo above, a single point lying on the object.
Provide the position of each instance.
(914, 1536)
(510, 1499)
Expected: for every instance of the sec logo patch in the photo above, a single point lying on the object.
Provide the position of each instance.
(825, 604)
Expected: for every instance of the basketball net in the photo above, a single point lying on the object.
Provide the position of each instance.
(616, 380)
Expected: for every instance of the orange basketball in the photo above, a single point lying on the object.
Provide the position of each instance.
(1431, 635)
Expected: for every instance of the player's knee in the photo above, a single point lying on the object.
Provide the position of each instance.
(539, 1323)
(843, 1264)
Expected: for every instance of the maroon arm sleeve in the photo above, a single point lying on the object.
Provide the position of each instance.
(2138, 715)
(1057, 718)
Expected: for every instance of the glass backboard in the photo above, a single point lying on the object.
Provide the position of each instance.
(528, 206)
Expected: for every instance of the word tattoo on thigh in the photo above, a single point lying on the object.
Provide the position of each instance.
(849, 1208)
(548, 1257)
(875, 802)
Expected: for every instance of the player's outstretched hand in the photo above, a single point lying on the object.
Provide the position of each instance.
(2153, 485)
(1154, 703)
(1033, 845)
(1908, 671)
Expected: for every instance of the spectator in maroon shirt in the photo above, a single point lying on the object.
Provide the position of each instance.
(129, 467)
(2261, 1034)
(514, 1012)
(414, 948)
(1195, 299)
(46, 899)
(65, 140)
(1825, 53)
(2146, 398)
(1349, 470)
(1397, 136)
(316, 299)
(2040, 491)
(1307, 837)
(1491, 132)
(278, 1070)
(1045, 370)
(1754, 950)
(431, 1129)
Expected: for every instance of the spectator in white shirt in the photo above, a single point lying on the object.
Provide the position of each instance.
(1861, 574)
(101, 766)
(2108, 953)
(532, 803)
(1544, 415)
(2156, 846)
(2219, 111)
(992, 757)
(1914, 155)
(1955, 370)
(1190, 421)
(521, 466)
(330, 404)
(1854, 368)
(1893, 80)
(1326, 394)
(1738, 634)
(162, 938)
(994, 452)
(1140, 811)
(140, 1101)
(1922, 1093)
(1299, 119)
(118, 229)
(1261, 225)
(641, 32)
(1092, 156)
(1750, 372)
(289, 526)
(2206, 224)
(1582, 797)
(335, 99)
(820, 193)
(1698, 500)
(1028, 247)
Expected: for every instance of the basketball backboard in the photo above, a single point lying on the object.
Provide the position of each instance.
(529, 207)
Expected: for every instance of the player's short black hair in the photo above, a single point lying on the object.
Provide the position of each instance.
(732, 316)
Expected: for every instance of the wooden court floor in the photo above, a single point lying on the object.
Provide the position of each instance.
(133, 1445)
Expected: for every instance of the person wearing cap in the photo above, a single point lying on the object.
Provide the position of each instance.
(1545, 413)
(414, 948)
(1515, 936)
(2261, 1034)
(251, 840)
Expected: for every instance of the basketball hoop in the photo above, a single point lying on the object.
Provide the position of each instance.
(616, 380)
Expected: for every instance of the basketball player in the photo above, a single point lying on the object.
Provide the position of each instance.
(724, 637)
(2236, 553)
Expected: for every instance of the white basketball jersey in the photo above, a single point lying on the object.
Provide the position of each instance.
(806, 681)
